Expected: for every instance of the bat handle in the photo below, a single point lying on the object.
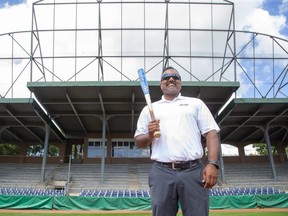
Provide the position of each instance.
(156, 134)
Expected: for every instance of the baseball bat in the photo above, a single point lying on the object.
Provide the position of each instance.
(145, 89)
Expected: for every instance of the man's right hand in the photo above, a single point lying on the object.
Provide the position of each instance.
(153, 127)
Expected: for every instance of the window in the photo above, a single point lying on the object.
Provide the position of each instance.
(127, 149)
(95, 148)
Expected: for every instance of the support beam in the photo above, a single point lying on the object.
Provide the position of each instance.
(76, 113)
(1, 130)
(22, 123)
(6, 128)
(44, 159)
(166, 56)
(48, 120)
(132, 113)
(103, 111)
(244, 123)
(222, 169)
(103, 138)
(103, 149)
(269, 149)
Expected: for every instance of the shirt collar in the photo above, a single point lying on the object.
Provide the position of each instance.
(179, 97)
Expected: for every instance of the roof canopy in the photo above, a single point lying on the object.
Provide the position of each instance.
(23, 121)
(79, 107)
(244, 120)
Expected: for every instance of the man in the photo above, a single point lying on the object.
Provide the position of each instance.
(177, 174)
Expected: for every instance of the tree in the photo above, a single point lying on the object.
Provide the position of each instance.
(9, 149)
(38, 151)
(261, 148)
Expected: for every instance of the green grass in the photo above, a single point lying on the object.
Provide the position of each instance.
(147, 214)
(249, 213)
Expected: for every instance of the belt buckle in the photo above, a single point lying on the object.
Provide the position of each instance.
(175, 168)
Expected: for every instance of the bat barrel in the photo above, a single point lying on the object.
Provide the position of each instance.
(145, 89)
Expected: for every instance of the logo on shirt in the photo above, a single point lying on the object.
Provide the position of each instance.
(183, 104)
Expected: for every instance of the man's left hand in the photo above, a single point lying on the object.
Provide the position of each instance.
(210, 176)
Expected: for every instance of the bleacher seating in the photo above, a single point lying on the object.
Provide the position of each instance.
(213, 192)
(130, 180)
(234, 191)
(31, 192)
(115, 193)
(134, 193)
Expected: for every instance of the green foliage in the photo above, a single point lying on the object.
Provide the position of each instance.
(9, 149)
(33, 150)
(53, 151)
(262, 149)
(38, 151)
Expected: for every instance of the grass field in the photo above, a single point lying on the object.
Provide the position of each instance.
(215, 213)
(133, 214)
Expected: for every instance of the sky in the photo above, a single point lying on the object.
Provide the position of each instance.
(277, 8)
(5, 3)
(263, 16)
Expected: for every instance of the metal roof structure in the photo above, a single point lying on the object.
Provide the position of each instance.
(22, 120)
(260, 120)
(245, 120)
(79, 108)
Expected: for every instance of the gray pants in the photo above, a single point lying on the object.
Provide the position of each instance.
(170, 187)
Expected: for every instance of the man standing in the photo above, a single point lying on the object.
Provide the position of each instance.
(177, 174)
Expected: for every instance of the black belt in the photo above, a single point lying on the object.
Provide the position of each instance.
(179, 165)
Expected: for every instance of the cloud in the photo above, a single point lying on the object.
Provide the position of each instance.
(10, 3)
(15, 17)
(261, 21)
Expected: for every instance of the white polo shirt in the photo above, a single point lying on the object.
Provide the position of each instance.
(182, 121)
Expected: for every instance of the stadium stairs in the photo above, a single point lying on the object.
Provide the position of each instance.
(255, 174)
(128, 177)
(24, 175)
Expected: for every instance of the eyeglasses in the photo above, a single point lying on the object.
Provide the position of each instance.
(168, 76)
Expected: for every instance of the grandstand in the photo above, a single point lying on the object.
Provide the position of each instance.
(84, 102)
(129, 177)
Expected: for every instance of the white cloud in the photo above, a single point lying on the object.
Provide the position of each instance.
(16, 17)
(261, 21)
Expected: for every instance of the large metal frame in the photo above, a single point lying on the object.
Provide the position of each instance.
(166, 57)
(40, 57)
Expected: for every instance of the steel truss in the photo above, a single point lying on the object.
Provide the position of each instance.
(240, 56)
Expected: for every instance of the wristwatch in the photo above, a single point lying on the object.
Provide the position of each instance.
(214, 162)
